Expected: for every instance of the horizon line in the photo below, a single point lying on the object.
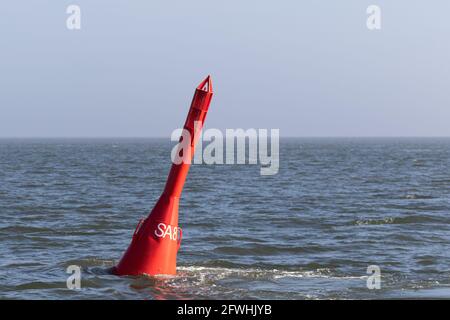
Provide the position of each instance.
(166, 137)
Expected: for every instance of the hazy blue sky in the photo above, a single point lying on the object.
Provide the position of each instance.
(310, 68)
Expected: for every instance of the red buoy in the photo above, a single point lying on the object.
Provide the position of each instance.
(156, 240)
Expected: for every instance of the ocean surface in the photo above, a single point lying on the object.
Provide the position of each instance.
(336, 207)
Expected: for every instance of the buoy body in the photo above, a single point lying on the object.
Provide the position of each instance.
(156, 240)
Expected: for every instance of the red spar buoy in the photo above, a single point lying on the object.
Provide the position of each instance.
(156, 240)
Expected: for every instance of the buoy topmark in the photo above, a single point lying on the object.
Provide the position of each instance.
(156, 240)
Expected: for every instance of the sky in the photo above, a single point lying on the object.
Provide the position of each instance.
(308, 68)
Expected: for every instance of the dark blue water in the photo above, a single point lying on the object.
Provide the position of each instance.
(335, 207)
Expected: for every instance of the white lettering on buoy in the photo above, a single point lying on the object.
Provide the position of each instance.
(162, 231)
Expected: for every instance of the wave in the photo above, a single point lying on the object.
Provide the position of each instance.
(401, 220)
(259, 273)
(417, 196)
